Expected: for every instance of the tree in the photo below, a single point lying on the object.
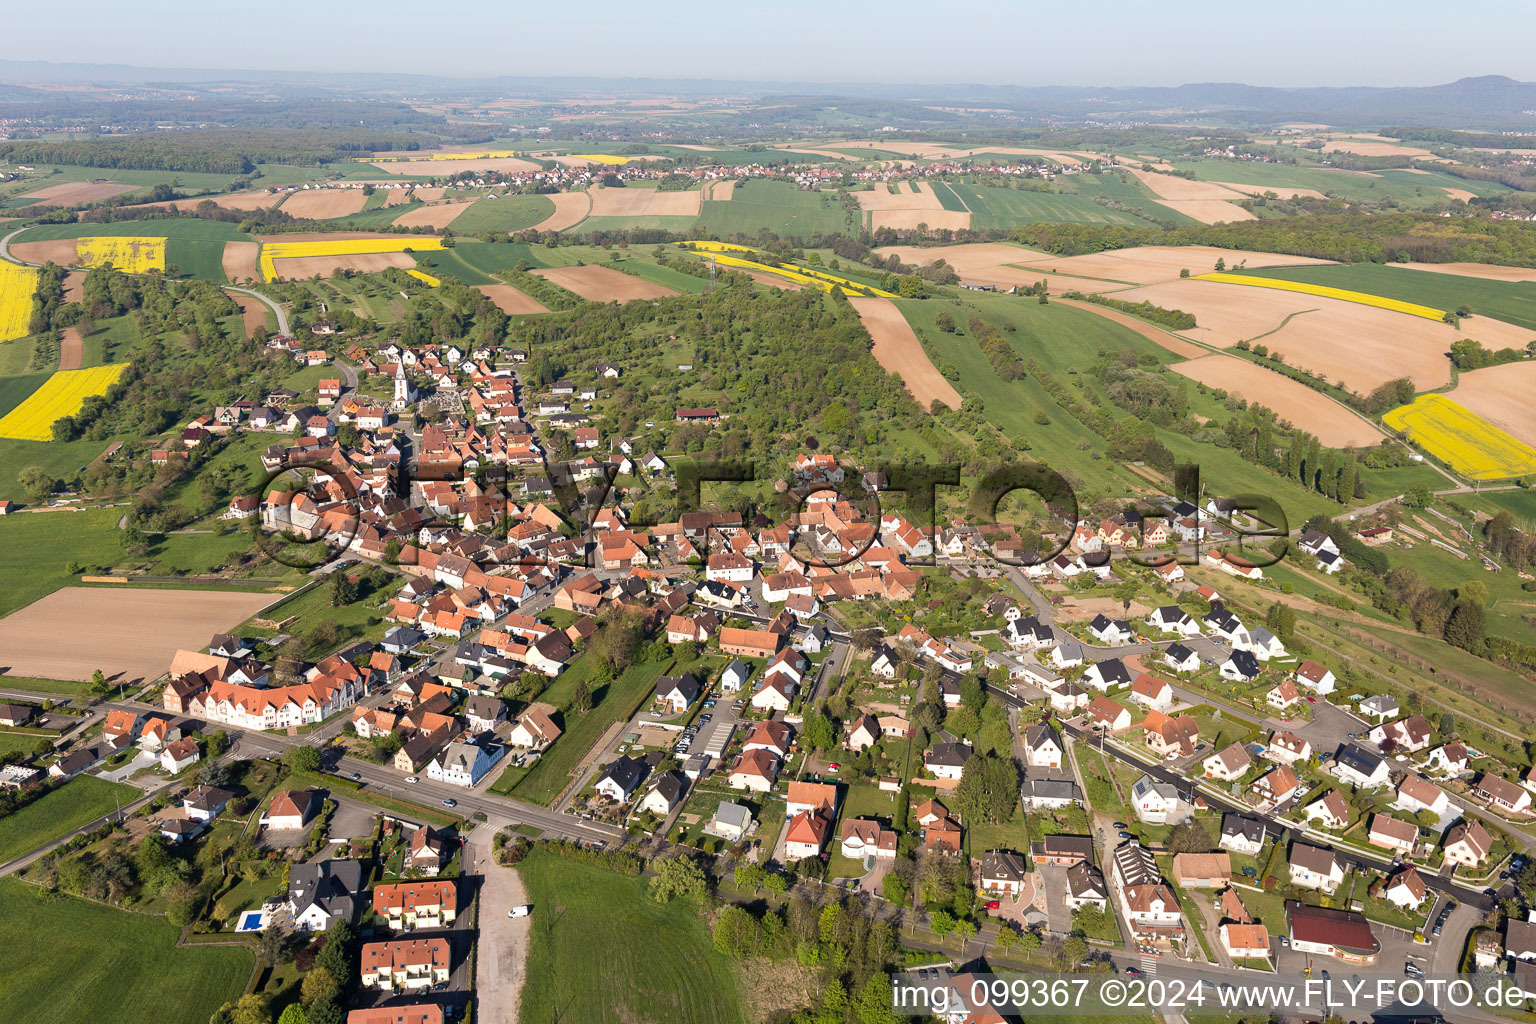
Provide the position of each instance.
(941, 923)
(966, 929)
(896, 889)
(776, 883)
(817, 732)
(343, 590)
(336, 955)
(581, 700)
(251, 1009)
(293, 1013)
(36, 481)
(735, 933)
(1466, 626)
(677, 876)
(181, 904)
(1007, 938)
(326, 1010)
(269, 948)
(1190, 837)
(317, 982)
(1029, 942)
(302, 758)
(749, 876)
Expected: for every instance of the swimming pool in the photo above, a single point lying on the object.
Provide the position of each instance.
(252, 921)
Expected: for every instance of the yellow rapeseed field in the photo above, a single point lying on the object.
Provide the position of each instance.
(61, 395)
(1323, 291)
(600, 158)
(432, 282)
(340, 247)
(17, 284)
(1461, 439)
(132, 254)
(803, 275)
(721, 247)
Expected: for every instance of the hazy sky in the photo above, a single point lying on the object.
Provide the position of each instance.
(1059, 42)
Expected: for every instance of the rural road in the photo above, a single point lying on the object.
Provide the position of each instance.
(5, 248)
(282, 317)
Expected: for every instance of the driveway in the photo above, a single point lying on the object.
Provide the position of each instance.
(352, 820)
(503, 953)
(1053, 880)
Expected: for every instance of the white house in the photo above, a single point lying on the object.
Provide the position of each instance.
(1360, 767)
(1159, 803)
(1313, 867)
(1106, 674)
(1406, 889)
(1415, 794)
(1315, 677)
(1042, 747)
(1152, 692)
(462, 764)
(1181, 659)
(1228, 764)
(1173, 619)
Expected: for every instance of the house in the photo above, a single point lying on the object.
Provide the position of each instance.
(665, 793)
(1002, 872)
(1152, 692)
(1360, 767)
(947, 760)
(1105, 675)
(774, 694)
(1173, 619)
(1242, 834)
(1337, 933)
(750, 643)
(754, 770)
(184, 753)
(1170, 737)
(735, 676)
(462, 764)
(1067, 654)
(484, 714)
(1330, 809)
(416, 1013)
(1240, 667)
(1106, 714)
(1406, 889)
(1415, 794)
(1407, 735)
(1390, 833)
(770, 735)
(1379, 706)
(1085, 886)
(291, 809)
(534, 729)
(1052, 794)
(1181, 659)
(806, 835)
(731, 821)
(1450, 758)
(1153, 912)
(676, 693)
(864, 837)
(15, 715)
(863, 733)
(407, 906)
(937, 829)
(1467, 844)
(205, 803)
(1069, 698)
(120, 728)
(411, 965)
(428, 851)
(76, 761)
(1111, 632)
(322, 892)
(1503, 794)
(1228, 764)
(1245, 941)
(1520, 939)
(1287, 748)
(1314, 867)
(1063, 851)
(1276, 787)
(1042, 747)
(1202, 870)
(811, 796)
(1159, 803)
(621, 778)
(1315, 677)
(1283, 695)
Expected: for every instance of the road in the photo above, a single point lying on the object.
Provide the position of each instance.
(5, 249)
(282, 317)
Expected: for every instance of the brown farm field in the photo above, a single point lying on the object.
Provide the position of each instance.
(897, 349)
(325, 203)
(62, 251)
(571, 208)
(433, 168)
(643, 202)
(1312, 411)
(975, 262)
(720, 191)
(240, 261)
(300, 267)
(1502, 396)
(230, 201)
(602, 284)
(1487, 271)
(1156, 335)
(72, 192)
(71, 349)
(74, 286)
(906, 210)
(1205, 201)
(438, 216)
(128, 632)
(253, 314)
(512, 301)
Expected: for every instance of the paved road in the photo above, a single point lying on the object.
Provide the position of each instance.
(5, 249)
(282, 317)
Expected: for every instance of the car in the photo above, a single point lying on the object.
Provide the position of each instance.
(412, 779)
(834, 768)
(1132, 972)
(1325, 974)
(1412, 970)
(355, 777)
(993, 904)
(450, 802)
(1285, 940)
(1127, 835)
(1439, 927)
(1121, 824)
(706, 717)
(521, 911)
(1311, 700)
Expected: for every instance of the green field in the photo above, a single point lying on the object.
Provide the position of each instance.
(1511, 301)
(995, 207)
(509, 213)
(108, 965)
(776, 206)
(677, 225)
(15, 390)
(78, 802)
(159, 227)
(1409, 188)
(947, 197)
(202, 258)
(604, 952)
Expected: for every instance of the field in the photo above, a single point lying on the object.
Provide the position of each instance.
(1205, 201)
(571, 208)
(71, 349)
(776, 206)
(905, 210)
(324, 203)
(16, 287)
(643, 202)
(508, 213)
(425, 278)
(897, 349)
(1510, 301)
(1502, 396)
(1157, 335)
(1486, 271)
(627, 977)
(238, 261)
(133, 632)
(309, 256)
(78, 802)
(439, 215)
(1343, 294)
(991, 263)
(1462, 440)
(797, 274)
(62, 395)
(603, 284)
(109, 965)
(75, 192)
(994, 207)
(512, 301)
(1312, 411)
(132, 254)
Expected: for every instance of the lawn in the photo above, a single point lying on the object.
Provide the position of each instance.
(78, 802)
(108, 965)
(654, 962)
(169, 227)
(1096, 776)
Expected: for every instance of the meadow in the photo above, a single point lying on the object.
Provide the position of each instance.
(1510, 301)
(61, 395)
(78, 802)
(626, 976)
(1327, 292)
(778, 207)
(103, 964)
(1467, 443)
(509, 213)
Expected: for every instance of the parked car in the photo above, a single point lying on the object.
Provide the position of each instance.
(521, 911)
(1127, 835)
(355, 777)
(1133, 972)
(993, 904)
(834, 768)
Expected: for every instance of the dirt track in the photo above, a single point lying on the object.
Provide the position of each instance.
(898, 350)
(133, 632)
